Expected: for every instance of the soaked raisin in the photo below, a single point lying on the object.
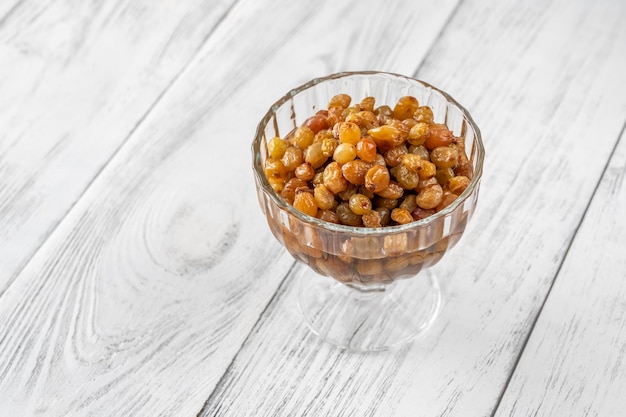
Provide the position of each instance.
(354, 171)
(292, 158)
(305, 172)
(439, 135)
(458, 184)
(393, 157)
(360, 204)
(366, 149)
(305, 202)
(405, 107)
(444, 156)
(401, 216)
(325, 198)
(430, 197)
(340, 100)
(303, 137)
(333, 178)
(372, 219)
(347, 216)
(377, 178)
(276, 147)
(345, 152)
(348, 132)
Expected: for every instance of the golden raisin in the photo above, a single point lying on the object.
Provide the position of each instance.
(333, 178)
(328, 146)
(401, 216)
(447, 199)
(334, 115)
(367, 104)
(360, 204)
(458, 184)
(392, 191)
(277, 184)
(383, 110)
(420, 213)
(324, 197)
(424, 114)
(409, 123)
(444, 157)
(274, 168)
(292, 158)
(354, 171)
(348, 132)
(439, 135)
(377, 178)
(420, 150)
(385, 137)
(328, 216)
(364, 119)
(426, 170)
(379, 160)
(406, 178)
(303, 137)
(276, 147)
(402, 128)
(317, 123)
(314, 155)
(393, 157)
(305, 203)
(291, 187)
(305, 171)
(366, 149)
(340, 100)
(344, 152)
(405, 107)
(372, 219)
(430, 197)
(426, 183)
(418, 134)
(323, 134)
(412, 162)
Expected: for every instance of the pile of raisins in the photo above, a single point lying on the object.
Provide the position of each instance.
(364, 166)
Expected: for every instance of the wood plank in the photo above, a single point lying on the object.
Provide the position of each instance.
(535, 75)
(573, 363)
(140, 299)
(76, 81)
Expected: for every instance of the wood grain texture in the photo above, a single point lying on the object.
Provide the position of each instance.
(535, 75)
(140, 299)
(76, 79)
(573, 364)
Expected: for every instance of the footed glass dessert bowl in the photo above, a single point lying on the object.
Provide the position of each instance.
(367, 288)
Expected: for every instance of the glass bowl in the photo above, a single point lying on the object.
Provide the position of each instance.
(366, 305)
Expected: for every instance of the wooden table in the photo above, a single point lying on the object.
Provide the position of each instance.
(138, 276)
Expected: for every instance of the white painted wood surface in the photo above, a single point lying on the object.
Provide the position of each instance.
(138, 276)
(76, 80)
(574, 363)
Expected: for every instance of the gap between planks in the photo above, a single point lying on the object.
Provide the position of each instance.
(123, 143)
(279, 291)
(556, 274)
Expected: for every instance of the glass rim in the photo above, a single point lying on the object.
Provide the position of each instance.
(357, 230)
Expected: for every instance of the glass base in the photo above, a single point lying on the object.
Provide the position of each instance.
(368, 318)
